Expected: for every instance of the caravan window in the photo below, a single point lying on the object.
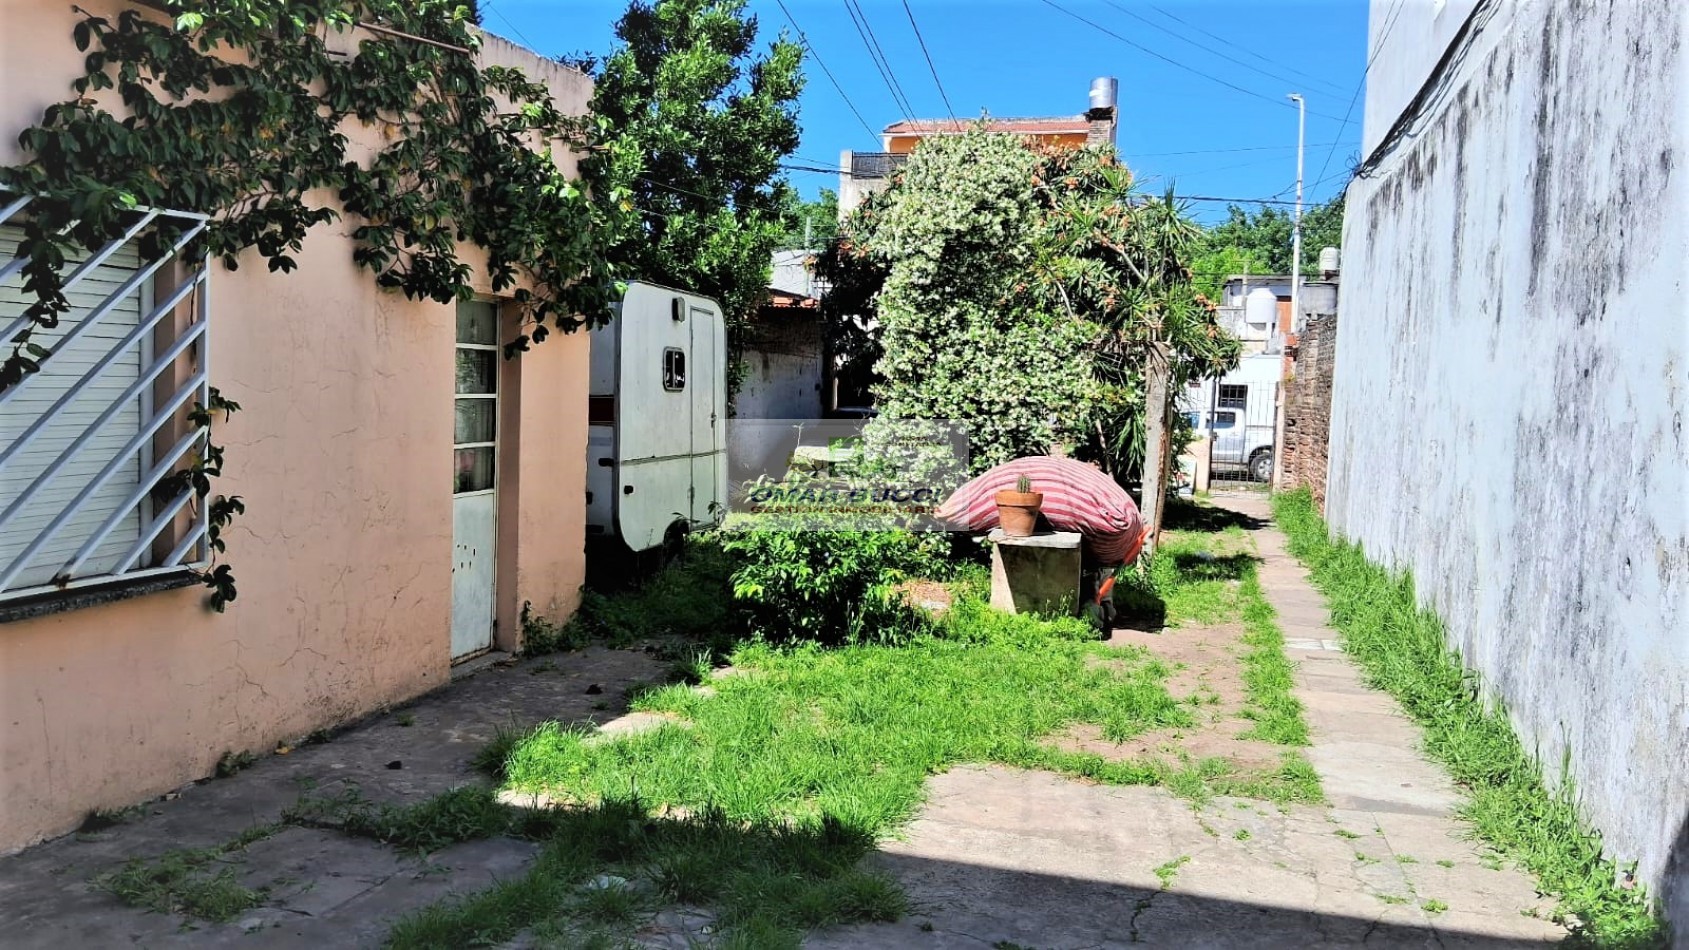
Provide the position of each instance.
(1225, 420)
(674, 370)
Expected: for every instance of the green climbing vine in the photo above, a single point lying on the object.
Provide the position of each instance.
(240, 109)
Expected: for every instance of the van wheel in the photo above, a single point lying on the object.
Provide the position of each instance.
(674, 542)
(1261, 465)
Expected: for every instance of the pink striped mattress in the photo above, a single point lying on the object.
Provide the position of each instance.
(1077, 497)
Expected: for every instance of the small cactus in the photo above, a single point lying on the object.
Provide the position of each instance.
(1023, 485)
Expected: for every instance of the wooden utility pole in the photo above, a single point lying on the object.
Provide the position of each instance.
(1155, 445)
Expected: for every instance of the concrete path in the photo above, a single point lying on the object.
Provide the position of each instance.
(1004, 858)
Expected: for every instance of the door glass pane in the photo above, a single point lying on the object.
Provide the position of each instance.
(477, 371)
(477, 322)
(474, 470)
(476, 421)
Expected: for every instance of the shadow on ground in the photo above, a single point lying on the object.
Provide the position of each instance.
(1227, 567)
(1186, 516)
(966, 906)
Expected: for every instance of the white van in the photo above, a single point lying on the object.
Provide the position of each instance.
(1234, 442)
(657, 418)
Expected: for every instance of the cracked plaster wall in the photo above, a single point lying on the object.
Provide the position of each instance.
(1512, 379)
(343, 456)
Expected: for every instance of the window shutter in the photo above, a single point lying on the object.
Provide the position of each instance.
(40, 391)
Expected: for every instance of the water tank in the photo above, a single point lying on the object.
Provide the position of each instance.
(1105, 92)
(1260, 308)
(1329, 260)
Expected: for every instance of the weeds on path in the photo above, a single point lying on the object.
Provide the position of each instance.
(198, 883)
(1209, 577)
(1267, 672)
(1404, 651)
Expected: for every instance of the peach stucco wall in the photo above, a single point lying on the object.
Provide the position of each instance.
(343, 455)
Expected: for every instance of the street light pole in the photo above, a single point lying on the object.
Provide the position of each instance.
(1296, 231)
(1276, 479)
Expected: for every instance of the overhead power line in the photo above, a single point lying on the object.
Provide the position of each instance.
(1371, 57)
(1235, 201)
(819, 168)
(1219, 151)
(1233, 40)
(1175, 63)
(932, 68)
(825, 71)
(495, 11)
(1221, 53)
(859, 18)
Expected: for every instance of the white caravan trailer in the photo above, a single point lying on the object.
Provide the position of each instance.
(657, 418)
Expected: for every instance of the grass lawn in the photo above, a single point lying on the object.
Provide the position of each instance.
(761, 795)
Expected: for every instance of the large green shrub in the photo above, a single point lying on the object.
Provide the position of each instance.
(1017, 289)
(828, 586)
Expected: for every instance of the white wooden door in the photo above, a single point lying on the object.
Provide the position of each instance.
(475, 479)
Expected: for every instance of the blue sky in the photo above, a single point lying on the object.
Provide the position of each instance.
(1188, 126)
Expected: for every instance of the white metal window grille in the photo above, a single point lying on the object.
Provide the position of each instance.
(83, 441)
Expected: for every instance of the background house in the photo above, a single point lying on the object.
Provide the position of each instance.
(408, 491)
(863, 173)
(1512, 379)
(1240, 410)
(784, 364)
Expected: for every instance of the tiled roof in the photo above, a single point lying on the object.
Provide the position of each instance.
(785, 299)
(1037, 126)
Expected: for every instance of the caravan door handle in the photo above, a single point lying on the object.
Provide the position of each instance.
(712, 418)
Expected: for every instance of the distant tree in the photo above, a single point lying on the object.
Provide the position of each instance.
(1265, 237)
(1322, 227)
(696, 123)
(1211, 266)
(812, 224)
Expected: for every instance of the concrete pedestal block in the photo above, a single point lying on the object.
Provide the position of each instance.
(1039, 574)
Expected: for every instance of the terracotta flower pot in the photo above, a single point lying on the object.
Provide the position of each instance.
(1018, 512)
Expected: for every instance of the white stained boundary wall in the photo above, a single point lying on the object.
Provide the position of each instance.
(1512, 384)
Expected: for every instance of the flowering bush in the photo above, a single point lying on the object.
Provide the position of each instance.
(1015, 288)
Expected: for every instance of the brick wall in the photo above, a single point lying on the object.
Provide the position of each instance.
(1307, 409)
